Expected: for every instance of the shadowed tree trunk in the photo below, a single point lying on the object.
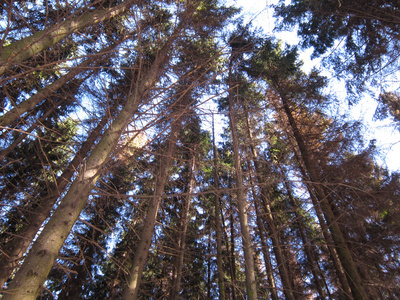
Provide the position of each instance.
(218, 225)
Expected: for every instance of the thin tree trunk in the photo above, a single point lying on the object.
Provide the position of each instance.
(143, 247)
(176, 288)
(283, 271)
(308, 249)
(354, 279)
(218, 225)
(21, 50)
(40, 259)
(251, 284)
(264, 246)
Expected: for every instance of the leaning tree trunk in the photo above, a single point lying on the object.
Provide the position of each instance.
(144, 244)
(14, 250)
(308, 249)
(40, 259)
(354, 279)
(264, 246)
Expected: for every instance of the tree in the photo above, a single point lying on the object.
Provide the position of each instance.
(369, 30)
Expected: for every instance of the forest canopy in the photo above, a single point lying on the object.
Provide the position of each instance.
(170, 150)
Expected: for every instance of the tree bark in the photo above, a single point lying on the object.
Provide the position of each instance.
(218, 225)
(144, 244)
(282, 266)
(176, 287)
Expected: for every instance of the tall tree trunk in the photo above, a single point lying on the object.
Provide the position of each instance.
(251, 284)
(308, 249)
(40, 259)
(354, 279)
(14, 250)
(21, 50)
(264, 246)
(143, 247)
(282, 266)
(218, 225)
(176, 287)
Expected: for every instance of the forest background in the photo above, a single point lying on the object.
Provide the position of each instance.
(174, 150)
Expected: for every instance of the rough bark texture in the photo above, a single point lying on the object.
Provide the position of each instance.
(218, 226)
(176, 286)
(282, 266)
(16, 247)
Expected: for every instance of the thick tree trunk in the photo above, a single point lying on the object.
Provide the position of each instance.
(354, 279)
(14, 250)
(21, 50)
(251, 284)
(40, 259)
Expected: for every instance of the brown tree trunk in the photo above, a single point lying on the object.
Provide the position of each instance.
(308, 249)
(218, 225)
(354, 279)
(283, 271)
(264, 245)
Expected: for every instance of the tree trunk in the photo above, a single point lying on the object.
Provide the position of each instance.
(342, 249)
(308, 249)
(218, 225)
(40, 259)
(176, 287)
(282, 266)
(22, 50)
(264, 246)
(251, 284)
(14, 250)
